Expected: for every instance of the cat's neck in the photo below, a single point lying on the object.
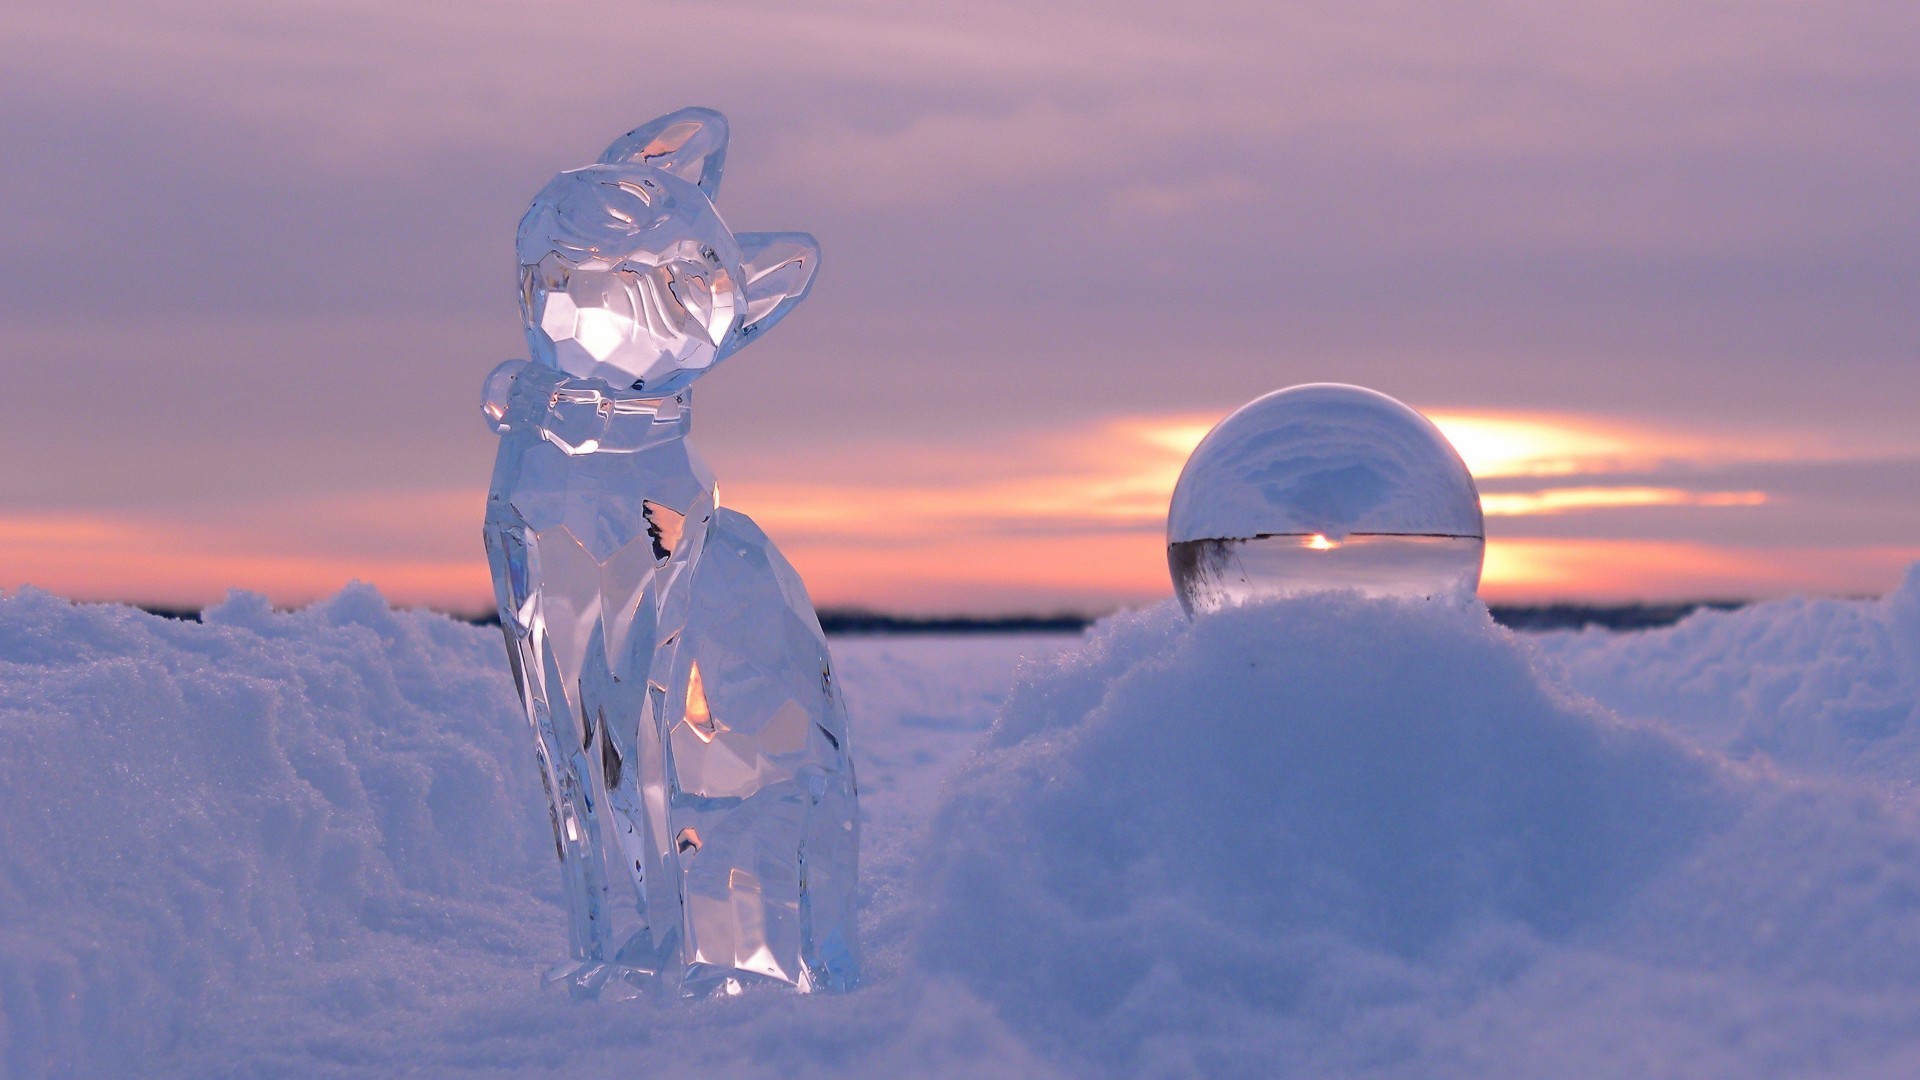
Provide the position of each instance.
(586, 416)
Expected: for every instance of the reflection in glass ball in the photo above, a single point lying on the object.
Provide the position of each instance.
(1322, 487)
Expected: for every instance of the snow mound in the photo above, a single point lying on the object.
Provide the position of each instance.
(1826, 687)
(1312, 836)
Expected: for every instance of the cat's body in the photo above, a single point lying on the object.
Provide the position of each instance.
(691, 737)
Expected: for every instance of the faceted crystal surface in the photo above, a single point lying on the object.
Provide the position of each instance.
(628, 274)
(689, 731)
(1323, 486)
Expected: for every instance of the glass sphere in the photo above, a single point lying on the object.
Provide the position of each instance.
(1322, 487)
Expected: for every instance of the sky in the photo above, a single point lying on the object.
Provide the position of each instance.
(1653, 267)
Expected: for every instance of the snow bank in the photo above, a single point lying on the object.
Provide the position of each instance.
(1829, 687)
(191, 813)
(1319, 837)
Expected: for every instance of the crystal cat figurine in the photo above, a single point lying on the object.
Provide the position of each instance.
(690, 734)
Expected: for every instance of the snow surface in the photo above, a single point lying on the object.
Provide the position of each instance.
(1319, 837)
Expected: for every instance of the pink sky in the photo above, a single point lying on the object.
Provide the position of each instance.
(1653, 267)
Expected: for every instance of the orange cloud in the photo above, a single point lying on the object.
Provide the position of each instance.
(1567, 500)
(1524, 571)
(1516, 444)
(158, 561)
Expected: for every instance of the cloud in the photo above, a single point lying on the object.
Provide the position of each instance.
(1573, 499)
(276, 240)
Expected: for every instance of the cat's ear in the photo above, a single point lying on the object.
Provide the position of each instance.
(690, 144)
(779, 268)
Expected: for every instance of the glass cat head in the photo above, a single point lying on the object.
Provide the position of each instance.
(628, 274)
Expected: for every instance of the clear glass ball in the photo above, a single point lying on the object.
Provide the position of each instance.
(1322, 487)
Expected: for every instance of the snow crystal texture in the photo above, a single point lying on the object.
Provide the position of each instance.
(1325, 836)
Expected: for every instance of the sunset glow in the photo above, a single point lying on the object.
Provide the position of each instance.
(1567, 500)
(1052, 520)
(1496, 445)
